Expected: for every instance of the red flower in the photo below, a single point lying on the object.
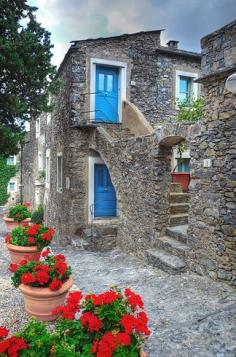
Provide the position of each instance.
(27, 278)
(33, 230)
(59, 257)
(141, 324)
(26, 204)
(107, 345)
(95, 346)
(23, 262)
(51, 230)
(15, 344)
(8, 239)
(31, 240)
(91, 321)
(42, 277)
(128, 322)
(13, 267)
(46, 236)
(133, 299)
(45, 253)
(74, 298)
(60, 268)
(44, 268)
(106, 298)
(25, 224)
(55, 284)
(90, 297)
(3, 332)
(123, 338)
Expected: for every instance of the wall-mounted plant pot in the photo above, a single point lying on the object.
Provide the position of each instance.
(182, 178)
(11, 224)
(40, 302)
(18, 253)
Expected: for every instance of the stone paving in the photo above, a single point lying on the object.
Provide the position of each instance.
(189, 315)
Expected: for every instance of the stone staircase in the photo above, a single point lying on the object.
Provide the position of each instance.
(170, 250)
(118, 132)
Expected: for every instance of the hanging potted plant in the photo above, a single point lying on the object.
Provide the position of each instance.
(28, 241)
(44, 283)
(112, 323)
(183, 178)
(17, 216)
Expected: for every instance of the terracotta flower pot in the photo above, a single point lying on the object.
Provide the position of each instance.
(18, 253)
(11, 224)
(183, 178)
(40, 302)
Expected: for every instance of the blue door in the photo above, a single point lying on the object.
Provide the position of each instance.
(104, 193)
(106, 95)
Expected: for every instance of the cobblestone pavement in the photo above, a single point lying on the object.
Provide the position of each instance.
(189, 315)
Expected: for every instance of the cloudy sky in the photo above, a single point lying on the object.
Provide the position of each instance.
(183, 20)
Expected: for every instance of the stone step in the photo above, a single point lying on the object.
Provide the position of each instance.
(100, 238)
(178, 219)
(172, 246)
(178, 197)
(178, 232)
(165, 261)
(176, 208)
(176, 187)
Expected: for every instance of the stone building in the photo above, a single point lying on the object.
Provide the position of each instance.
(212, 219)
(103, 166)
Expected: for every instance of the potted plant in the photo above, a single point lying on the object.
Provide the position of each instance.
(44, 283)
(28, 241)
(112, 323)
(17, 215)
(115, 326)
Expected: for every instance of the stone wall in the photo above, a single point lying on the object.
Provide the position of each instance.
(212, 226)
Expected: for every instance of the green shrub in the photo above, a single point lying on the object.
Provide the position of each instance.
(6, 172)
(37, 215)
(190, 110)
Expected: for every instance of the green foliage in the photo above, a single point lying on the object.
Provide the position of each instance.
(6, 172)
(9, 143)
(27, 77)
(37, 215)
(19, 213)
(190, 110)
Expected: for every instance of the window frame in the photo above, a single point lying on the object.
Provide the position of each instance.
(15, 183)
(59, 188)
(37, 128)
(47, 169)
(14, 160)
(190, 75)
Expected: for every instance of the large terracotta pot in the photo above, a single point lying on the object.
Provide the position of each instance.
(183, 178)
(18, 253)
(11, 224)
(40, 302)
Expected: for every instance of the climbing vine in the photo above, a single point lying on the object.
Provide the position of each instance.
(6, 172)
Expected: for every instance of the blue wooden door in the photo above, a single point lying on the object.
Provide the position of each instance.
(106, 95)
(104, 193)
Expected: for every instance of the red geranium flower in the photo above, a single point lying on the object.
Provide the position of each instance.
(123, 338)
(31, 240)
(51, 230)
(46, 236)
(44, 268)
(91, 321)
(106, 298)
(42, 277)
(25, 224)
(27, 204)
(3, 332)
(8, 239)
(13, 267)
(33, 230)
(45, 253)
(107, 345)
(60, 268)
(133, 299)
(55, 284)
(23, 262)
(95, 346)
(27, 278)
(59, 257)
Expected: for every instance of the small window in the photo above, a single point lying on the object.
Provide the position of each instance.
(101, 81)
(59, 172)
(47, 179)
(37, 127)
(12, 186)
(48, 118)
(11, 160)
(185, 87)
(40, 161)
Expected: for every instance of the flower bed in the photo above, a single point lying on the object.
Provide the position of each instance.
(111, 324)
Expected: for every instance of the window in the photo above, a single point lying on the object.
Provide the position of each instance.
(12, 186)
(185, 85)
(11, 160)
(183, 165)
(59, 171)
(40, 161)
(37, 127)
(47, 168)
(48, 118)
